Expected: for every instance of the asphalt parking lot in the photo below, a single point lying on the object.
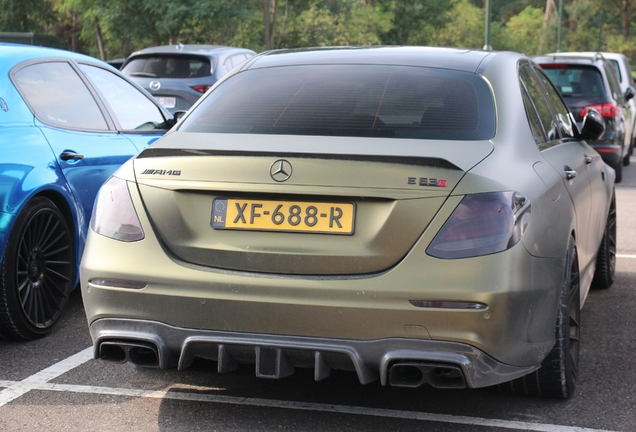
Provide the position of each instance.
(53, 384)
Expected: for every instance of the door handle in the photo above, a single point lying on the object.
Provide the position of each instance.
(589, 159)
(68, 155)
(570, 173)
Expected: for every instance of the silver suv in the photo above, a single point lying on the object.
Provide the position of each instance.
(178, 75)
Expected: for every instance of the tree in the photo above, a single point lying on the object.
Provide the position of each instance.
(26, 15)
(415, 22)
(465, 27)
(523, 31)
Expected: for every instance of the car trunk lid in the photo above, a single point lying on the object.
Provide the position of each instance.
(344, 211)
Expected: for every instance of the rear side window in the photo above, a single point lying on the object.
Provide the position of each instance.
(350, 100)
(615, 87)
(59, 97)
(617, 69)
(576, 80)
(536, 103)
(133, 109)
(168, 66)
(561, 110)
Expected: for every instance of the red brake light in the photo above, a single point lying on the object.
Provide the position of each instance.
(607, 109)
(201, 88)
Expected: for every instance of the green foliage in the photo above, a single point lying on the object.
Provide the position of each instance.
(25, 15)
(122, 26)
(586, 14)
(356, 23)
(523, 31)
(415, 22)
(465, 27)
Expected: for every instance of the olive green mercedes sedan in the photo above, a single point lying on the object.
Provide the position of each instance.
(414, 215)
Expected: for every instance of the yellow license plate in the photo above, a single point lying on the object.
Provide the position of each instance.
(265, 215)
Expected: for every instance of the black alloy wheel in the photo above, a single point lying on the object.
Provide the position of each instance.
(619, 172)
(37, 271)
(606, 258)
(558, 372)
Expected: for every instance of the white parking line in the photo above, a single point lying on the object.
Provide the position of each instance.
(625, 256)
(17, 389)
(40, 381)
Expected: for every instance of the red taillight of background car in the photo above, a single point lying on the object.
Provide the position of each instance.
(201, 88)
(607, 109)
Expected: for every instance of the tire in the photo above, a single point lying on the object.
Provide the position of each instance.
(626, 160)
(37, 271)
(606, 258)
(619, 172)
(557, 375)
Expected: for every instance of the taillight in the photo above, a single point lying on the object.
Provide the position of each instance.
(114, 214)
(482, 224)
(607, 109)
(201, 88)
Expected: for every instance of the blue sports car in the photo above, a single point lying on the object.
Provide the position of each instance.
(67, 122)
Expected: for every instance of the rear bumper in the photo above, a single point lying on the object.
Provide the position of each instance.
(492, 317)
(612, 154)
(276, 356)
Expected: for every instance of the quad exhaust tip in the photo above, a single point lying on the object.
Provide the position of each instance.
(415, 374)
(139, 353)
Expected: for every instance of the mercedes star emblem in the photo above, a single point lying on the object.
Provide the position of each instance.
(281, 170)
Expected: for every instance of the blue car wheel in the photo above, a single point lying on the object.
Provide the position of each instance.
(37, 271)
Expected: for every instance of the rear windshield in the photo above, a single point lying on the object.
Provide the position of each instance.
(576, 80)
(168, 66)
(350, 100)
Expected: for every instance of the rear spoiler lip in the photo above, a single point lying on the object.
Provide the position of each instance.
(432, 162)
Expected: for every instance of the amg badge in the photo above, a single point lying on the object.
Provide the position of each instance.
(162, 172)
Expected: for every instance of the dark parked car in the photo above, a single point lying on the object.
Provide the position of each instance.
(178, 75)
(67, 122)
(625, 78)
(413, 215)
(117, 63)
(591, 82)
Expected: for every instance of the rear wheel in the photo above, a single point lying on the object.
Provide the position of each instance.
(606, 258)
(557, 374)
(37, 271)
(619, 172)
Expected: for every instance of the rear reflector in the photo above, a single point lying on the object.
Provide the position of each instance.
(447, 304)
(608, 150)
(201, 88)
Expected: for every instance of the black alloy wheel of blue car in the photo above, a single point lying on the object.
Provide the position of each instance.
(37, 271)
(557, 375)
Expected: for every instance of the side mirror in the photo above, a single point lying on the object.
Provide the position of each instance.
(593, 125)
(630, 93)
